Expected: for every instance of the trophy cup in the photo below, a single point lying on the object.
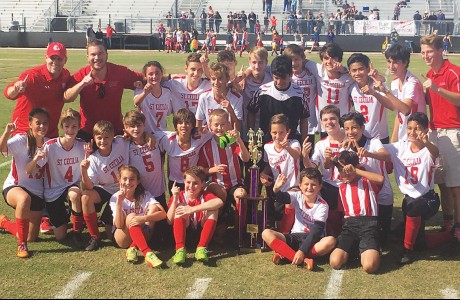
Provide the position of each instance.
(250, 234)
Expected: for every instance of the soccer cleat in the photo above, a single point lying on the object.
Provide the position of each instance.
(179, 257)
(131, 255)
(152, 260)
(77, 240)
(45, 226)
(406, 257)
(93, 244)
(23, 252)
(309, 264)
(201, 254)
(276, 259)
(3, 220)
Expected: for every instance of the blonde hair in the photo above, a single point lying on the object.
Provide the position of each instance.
(133, 118)
(68, 115)
(219, 112)
(259, 52)
(103, 127)
(139, 192)
(219, 69)
(196, 172)
(432, 40)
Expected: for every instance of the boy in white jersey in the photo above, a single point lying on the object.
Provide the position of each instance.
(333, 81)
(193, 208)
(414, 161)
(154, 101)
(100, 178)
(307, 234)
(325, 151)
(187, 89)
(61, 158)
(220, 96)
(358, 194)
(405, 86)
(281, 156)
(371, 97)
(134, 211)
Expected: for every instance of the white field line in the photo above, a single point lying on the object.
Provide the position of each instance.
(73, 285)
(199, 288)
(449, 293)
(334, 285)
(6, 163)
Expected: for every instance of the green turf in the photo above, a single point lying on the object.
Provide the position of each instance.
(233, 276)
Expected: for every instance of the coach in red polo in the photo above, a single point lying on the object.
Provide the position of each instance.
(100, 86)
(42, 86)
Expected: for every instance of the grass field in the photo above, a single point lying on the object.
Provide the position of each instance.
(56, 270)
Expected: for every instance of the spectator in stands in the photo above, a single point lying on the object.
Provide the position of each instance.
(273, 23)
(191, 20)
(286, 6)
(244, 20)
(211, 19)
(432, 18)
(266, 23)
(268, 6)
(252, 18)
(294, 5)
(345, 6)
(426, 22)
(99, 34)
(300, 22)
(441, 22)
(162, 36)
(352, 8)
(203, 17)
(396, 11)
(359, 16)
(319, 21)
(418, 22)
(230, 22)
(169, 18)
(371, 16)
(377, 14)
(90, 34)
(109, 33)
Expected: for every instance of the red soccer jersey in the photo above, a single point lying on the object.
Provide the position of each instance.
(183, 198)
(96, 105)
(41, 91)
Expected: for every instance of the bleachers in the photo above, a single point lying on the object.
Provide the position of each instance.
(14, 10)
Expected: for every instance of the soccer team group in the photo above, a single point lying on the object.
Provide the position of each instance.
(332, 197)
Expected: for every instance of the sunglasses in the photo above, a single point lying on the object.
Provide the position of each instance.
(100, 88)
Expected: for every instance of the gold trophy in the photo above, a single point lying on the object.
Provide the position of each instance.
(249, 239)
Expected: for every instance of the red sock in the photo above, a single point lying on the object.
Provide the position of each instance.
(410, 234)
(287, 221)
(436, 239)
(136, 234)
(207, 232)
(91, 223)
(312, 253)
(23, 230)
(282, 249)
(179, 232)
(11, 227)
(77, 221)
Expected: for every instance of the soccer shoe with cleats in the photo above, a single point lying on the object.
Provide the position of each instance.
(3, 220)
(309, 264)
(93, 244)
(23, 252)
(179, 257)
(77, 240)
(131, 255)
(406, 257)
(276, 259)
(45, 226)
(201, 254)
(152, 260)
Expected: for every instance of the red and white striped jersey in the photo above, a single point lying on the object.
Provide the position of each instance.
(156, 109)
(103, 170)
(207, 103)
(211, 155)
(306, 216)
(283, 162)
(413, 171)
(307, 81)
(62, 167)
(331, 175)
(180, 159)
(195, 218)
(129, 206)
(17, 147)
(182, 97)
(374, 112)
(150, 165)
(412, 89)
(359, 199)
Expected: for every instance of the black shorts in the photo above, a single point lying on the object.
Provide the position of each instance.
(424, 206)
(294, 240)
(36, 203)
(330, 194)
(58, 210)
(359, 233)
(107, 215)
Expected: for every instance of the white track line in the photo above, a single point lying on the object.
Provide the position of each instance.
(334, 285)
(73, 285)
(199, 288)
(6, 163)
(449, 293)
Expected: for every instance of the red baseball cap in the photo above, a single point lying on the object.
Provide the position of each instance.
(56, 49)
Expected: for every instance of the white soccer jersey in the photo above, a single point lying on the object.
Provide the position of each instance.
(305, 216)
(129, 206)
(150, 166)
(103, 170)
(307, 81)
(180, 159)
(283, 163)
(374, 112)
(385, 196)
(331, 91)
(17, 147)
(412, 89)
(413, 170)
(207, 103)
(331, 175)
(249, 90)
(62, 167)
(359, 199)
(182, 97)
(156, 109)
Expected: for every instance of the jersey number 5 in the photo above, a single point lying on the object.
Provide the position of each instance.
(149, 166)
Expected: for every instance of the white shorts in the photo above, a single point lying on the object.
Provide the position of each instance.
(448, 143)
